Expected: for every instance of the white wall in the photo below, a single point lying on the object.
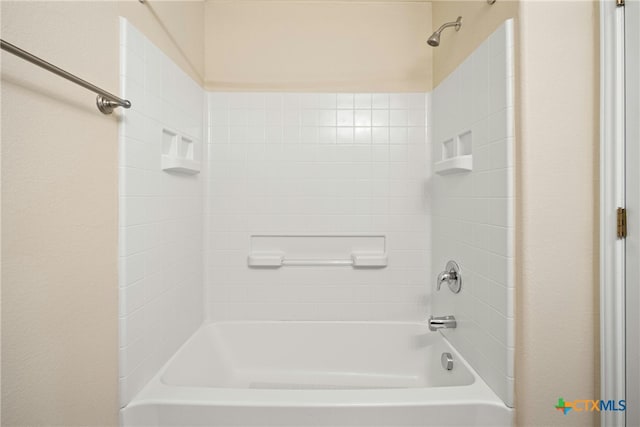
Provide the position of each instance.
(160, 213)
(473, 212)
(317, 164)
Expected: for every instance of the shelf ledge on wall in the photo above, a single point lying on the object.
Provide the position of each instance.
(455, 165)
(277, 260)
(180, 165)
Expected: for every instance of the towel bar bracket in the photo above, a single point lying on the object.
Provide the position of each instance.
(106, 106)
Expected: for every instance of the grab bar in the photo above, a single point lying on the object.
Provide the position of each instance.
(105, 101)
(277, 260)
(317, 262)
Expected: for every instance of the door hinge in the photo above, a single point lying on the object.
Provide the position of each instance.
(622, 223)
(619, 3)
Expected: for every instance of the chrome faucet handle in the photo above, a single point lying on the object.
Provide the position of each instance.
(446, 276)
(452, 276)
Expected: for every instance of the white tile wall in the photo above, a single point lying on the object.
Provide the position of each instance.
(161, 222)
(325, 164)
(473, 212)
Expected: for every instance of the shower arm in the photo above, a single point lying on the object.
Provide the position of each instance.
(457, 23)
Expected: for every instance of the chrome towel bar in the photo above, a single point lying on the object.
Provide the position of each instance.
(357, 260)
(318, 262)
(105, 101)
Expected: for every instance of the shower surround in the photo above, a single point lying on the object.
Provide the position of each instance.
(319, 177)
(160, 213)
(473, 212)
(317, 167)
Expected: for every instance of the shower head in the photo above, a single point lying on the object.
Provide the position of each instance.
(434, 40)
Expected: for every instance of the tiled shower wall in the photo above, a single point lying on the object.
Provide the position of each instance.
(291, 164)
(309, 165)
(473, 212)
(160, 213)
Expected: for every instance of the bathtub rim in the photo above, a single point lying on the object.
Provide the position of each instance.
(157, 392)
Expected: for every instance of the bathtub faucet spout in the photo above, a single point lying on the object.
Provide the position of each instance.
(442, 322)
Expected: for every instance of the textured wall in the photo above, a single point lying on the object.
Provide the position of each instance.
(328, 46)
(60, 207)
(176, 27)
(557, 302)
(479, 20)
(59, 198)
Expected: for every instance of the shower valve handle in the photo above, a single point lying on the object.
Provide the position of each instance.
(446, 276)
(451, 275)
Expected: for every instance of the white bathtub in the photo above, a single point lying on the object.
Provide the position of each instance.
(315, 374)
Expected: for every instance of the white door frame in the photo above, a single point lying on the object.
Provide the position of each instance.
(632, 196)
(612, 196)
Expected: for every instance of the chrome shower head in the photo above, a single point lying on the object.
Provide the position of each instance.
(434, 40)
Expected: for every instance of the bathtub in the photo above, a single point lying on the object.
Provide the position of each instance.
(315, 374)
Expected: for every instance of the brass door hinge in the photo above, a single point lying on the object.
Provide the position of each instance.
(622, 223)
(619, 3)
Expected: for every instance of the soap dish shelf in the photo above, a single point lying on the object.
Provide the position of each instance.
(181, 165)
(179, 153)
(455, 165)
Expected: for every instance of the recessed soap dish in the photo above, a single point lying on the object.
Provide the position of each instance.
(457, 155)
(178, 153)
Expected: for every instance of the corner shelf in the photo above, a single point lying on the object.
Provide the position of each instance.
(455, 165)
(457, 155)
(178, 153)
